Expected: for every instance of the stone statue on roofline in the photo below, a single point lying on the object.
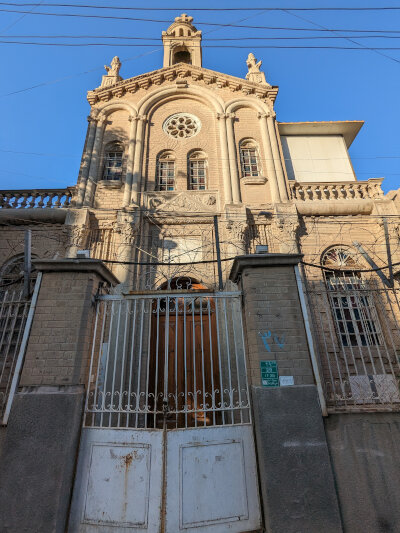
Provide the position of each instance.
(112, 76)
(255, 75)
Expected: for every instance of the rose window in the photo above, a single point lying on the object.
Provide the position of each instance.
(182, 126)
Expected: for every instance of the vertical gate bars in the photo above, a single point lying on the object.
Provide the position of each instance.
(357, 325)
(179, 355)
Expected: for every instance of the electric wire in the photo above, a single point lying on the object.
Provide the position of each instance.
(244, 8)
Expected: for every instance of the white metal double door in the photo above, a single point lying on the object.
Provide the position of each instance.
(193, 480)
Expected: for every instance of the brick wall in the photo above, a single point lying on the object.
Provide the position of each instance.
(272, 311)
(58, 347)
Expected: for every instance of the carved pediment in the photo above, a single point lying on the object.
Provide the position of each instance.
(183, 70)
(186, 202)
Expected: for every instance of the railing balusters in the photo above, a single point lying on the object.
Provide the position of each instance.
(356, 190)
(36, 198)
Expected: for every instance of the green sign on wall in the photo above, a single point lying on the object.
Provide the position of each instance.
(269, 374)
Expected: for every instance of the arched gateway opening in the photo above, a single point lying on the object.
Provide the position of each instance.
(184, 372)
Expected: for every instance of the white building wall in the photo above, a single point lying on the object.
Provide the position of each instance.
(317, 158)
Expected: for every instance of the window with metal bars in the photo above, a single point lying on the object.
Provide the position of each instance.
(197, 173)
(113, 163)
(352, 304)
(249, 160)
(166, 175)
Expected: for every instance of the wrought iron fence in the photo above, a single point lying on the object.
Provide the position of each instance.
(357, 329)
(13, 315)
(174, 358)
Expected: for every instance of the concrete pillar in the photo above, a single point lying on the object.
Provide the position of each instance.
(130, 162)
(41, 440)
(277, 159)
(273, 316)
(137, 164)
(269, 158)
(86, 157)
(225, 158)
(235, 184)
(296, 477)
(94, 162)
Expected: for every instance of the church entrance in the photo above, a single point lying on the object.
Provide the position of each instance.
(167, 442)
(182, 362)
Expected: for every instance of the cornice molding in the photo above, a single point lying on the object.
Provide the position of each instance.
(181, 71)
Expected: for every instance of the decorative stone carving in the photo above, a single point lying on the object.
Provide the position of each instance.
(182, 126)
(254, 74)
(109, 89)
(128, 233)
(184, 202)
(112, 77)
(285, 228)
(77, 236)
(236, 230)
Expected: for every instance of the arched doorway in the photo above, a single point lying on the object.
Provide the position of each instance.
(184, 371)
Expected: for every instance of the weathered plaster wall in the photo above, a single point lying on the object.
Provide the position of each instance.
(365, 456)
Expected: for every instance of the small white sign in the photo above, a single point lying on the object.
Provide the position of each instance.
(284, 381)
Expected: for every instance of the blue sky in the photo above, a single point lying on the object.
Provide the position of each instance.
(44, 128)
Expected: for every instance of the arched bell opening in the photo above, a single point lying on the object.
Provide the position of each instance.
(184, 363)
(181, 55)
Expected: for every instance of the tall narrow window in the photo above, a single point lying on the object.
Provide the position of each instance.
(249, 159)
(166, 172)
(113, 162)
(353, 307)
(197, 171)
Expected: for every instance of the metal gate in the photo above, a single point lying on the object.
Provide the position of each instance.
(167, 443)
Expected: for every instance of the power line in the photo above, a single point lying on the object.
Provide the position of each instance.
(164, 21)
(245, 8)
(250, 38)
(31, 43)
(376, 50)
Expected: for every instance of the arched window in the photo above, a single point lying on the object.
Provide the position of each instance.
(352, 303)
(197, 171)
(113, 159)
(249, 159)
(12, 274)
(166, 171)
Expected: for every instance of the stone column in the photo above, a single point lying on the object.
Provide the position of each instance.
(41, 440)
(235, 184)
(130, 162)
(77, 226)
(86, 157)
(277, 159)
(221, 117)
(137, 164)
(127, 228)
(94, 162)
(288, 423)
(269, 158)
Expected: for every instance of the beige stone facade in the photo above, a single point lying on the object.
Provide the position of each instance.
(308, 212)
(169, 152)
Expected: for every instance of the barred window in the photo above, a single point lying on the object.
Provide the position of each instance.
(113, 162)
(166, 172)
(197, 171)
(352, 304)
(249, 159)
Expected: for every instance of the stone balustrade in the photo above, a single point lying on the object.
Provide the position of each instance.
(342, 190)
(36, 198)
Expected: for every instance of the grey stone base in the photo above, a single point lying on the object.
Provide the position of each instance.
(38, 459)
(297, 484)
(365, 452)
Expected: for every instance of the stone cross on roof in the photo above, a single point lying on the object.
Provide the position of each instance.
(184, 18)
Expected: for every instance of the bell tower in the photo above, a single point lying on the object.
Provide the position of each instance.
(182, 43)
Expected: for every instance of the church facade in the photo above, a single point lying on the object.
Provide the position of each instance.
(214, 308)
